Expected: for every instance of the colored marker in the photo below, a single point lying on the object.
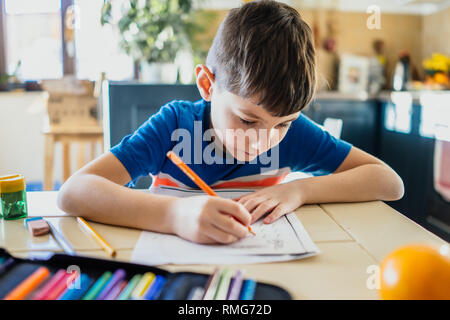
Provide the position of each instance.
(27, 286)
(6, 265)
(97, 286)
(196, 293)
(224, 284)
(116, 278)
(114, 293)
(211, 286)
(48, 287)
(61, 286)
(75, 293)
(155, 289)
(235, 286)
(143, 285)
(248, 290)
(195, 178)
(126, 293)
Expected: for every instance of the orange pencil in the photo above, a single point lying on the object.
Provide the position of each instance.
(28, 285)
(102, 242)
(195, 178)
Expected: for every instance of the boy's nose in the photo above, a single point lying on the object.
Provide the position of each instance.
(264, 140)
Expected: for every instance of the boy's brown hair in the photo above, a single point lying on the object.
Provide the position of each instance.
(264, 50)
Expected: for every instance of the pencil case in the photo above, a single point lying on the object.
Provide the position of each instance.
(177, 286)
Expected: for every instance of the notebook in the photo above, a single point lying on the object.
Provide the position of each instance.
(285, 239)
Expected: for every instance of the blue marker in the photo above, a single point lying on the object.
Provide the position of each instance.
(155, 289)
(6, 264)
(248, 290)
(74, 293)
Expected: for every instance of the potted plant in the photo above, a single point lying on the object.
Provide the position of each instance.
(154, 33)
(437, 71)
(10, 81)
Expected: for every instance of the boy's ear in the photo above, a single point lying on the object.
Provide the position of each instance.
(205, 81)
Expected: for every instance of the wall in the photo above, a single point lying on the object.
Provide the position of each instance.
(398, 31)
(436, 33)
(22, 116)
(416, 33)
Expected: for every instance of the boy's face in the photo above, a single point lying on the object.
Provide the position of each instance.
(244, 128)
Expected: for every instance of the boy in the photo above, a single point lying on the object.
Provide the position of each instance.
(259, 75)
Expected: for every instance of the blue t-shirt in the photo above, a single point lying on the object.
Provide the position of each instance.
(182, 126)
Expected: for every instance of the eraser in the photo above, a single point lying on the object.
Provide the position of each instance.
(25, 222)
(38, 227)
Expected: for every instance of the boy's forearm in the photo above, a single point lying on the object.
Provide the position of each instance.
(363, 183)
(99, 199)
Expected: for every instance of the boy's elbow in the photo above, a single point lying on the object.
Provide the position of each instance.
(399, 191)
(395, 190)
(65, 200)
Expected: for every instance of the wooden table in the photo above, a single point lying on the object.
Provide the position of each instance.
(352, 237)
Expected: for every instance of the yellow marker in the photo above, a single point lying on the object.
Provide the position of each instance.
(143, 285)
(105, 245)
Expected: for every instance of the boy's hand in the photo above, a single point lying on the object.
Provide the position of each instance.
(206, 219)
(279, 200)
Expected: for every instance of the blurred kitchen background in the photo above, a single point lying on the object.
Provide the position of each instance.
(78, 75)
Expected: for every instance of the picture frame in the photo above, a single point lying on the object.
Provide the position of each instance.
(353, 73)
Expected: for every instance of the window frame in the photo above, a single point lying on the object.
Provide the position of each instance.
(68, 62)
(2, 38)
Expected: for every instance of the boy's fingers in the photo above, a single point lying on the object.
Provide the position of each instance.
(229, 225)
(262, 209)
(237, 199)
(205, 239)
(235, 209)
(219, 235)
(244, 197)
(276, 213)
(252, 203)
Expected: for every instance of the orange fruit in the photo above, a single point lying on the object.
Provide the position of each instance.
(441, 78)
(416, 272)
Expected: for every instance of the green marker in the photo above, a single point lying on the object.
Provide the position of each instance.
(126, 293)
(97, 287)
(224, 284)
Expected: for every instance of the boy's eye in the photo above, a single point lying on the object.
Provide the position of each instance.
(246, 122)
(284, 125)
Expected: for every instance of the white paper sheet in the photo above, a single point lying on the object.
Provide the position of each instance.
(285, 239)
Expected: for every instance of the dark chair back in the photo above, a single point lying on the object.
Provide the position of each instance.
(126, 105)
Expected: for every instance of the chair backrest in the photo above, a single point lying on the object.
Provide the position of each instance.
(71, 103)
(126, 105)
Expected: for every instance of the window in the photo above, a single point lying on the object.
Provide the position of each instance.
(33, 38)
(96, 47)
